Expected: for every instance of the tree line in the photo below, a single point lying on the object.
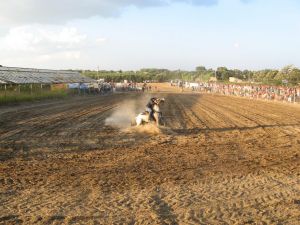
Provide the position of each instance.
(287, 75)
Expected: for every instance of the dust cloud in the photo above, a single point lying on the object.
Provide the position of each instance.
(123, 115)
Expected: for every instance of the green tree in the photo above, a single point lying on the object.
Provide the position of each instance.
(200, 69)
(223, 73)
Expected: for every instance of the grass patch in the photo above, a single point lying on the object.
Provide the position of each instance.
(12, 97)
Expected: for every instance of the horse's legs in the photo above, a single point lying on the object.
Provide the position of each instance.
(138, 121)
(156, 117)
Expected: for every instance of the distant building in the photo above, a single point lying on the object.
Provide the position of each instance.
(235, 80)
(15, 75)
(213, 79)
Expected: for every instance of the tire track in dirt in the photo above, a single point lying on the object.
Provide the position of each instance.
(64, 113)
(220, 117)
(162, 209)
(225, 162)
(278, 128)
(264, 115)
(61, 127)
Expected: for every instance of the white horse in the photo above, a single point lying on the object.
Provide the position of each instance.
(144, 117)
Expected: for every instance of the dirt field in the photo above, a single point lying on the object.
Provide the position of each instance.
(219, 160)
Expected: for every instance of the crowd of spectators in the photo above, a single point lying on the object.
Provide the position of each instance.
(279, 93)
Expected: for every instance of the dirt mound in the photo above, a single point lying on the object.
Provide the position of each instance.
(147, 128)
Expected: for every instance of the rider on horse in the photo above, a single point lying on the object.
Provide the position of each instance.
(152, 113)
(149, 107)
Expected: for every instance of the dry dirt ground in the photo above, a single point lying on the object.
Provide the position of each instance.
(219, 160)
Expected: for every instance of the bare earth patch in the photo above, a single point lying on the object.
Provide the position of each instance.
(220, 160)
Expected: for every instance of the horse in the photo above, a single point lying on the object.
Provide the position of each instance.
(144, 117)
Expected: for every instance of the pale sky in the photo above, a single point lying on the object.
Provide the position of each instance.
(132, 34)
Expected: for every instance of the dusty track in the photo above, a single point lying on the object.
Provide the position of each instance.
(221, 160)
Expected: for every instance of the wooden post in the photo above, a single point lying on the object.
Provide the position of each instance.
(5, 90)
(30, 89)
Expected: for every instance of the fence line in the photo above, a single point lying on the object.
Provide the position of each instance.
(268, 92)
